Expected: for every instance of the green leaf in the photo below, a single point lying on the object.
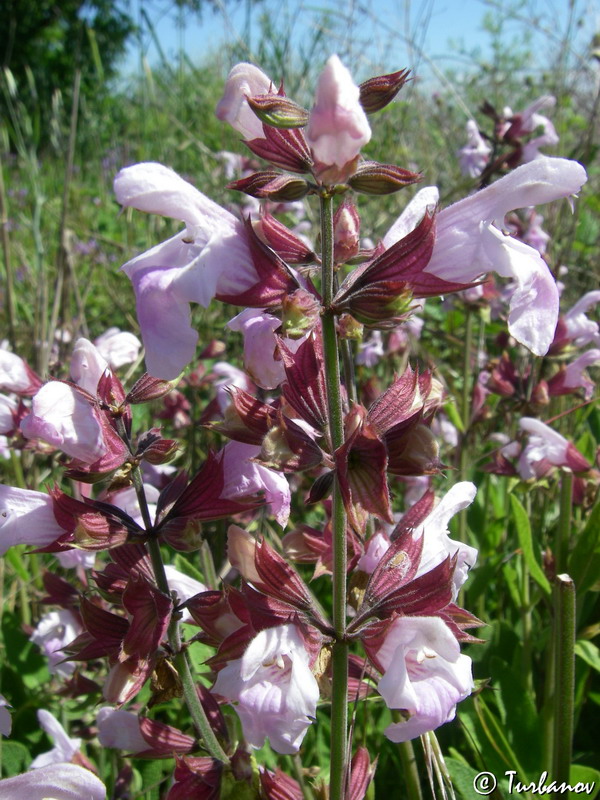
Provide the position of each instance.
(588, 652)
(584, 563)
(21, 654)
(15, 758)
(582, 774)
(526, 543)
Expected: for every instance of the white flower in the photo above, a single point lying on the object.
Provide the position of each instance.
(274, 688)
(424, 674)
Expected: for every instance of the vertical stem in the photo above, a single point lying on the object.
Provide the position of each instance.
(526, 614)
(180, 658)
(564, 688)
(563, 531)
(339, 699)
(10, 301)
(466, 416)
(410, 769)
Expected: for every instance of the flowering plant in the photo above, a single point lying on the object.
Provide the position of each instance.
(253, 649)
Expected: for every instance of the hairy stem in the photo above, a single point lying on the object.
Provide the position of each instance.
(564, 688)
(339, 699)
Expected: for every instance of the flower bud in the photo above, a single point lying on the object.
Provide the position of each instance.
(300, 314)
(371, 177)
(278, 111)
(338, 127)
(148, 388)
(350, 328)
(377, 92)
(346, 233)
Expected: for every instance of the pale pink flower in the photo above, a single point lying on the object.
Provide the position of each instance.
(437, 544)
(65, 418)
(64, 747)
(580, 328)
(119, 348)
(536, 236)
(274, 689)
(475, 154)
(338, 127)
(370, 350)
(8, 410)
(56, 781)
(14, 373)
(425, 675)
(574, 376)
(545, 449)
(530, 121)
(244, 80)
(258, 329)
(470, 243)
(71, 559)
(229, 377)
(120, 729)
(26, 517)
(261, 359)
(244, 477)
(52, 634)
(87, 366)
(184, 587)
(210, 256)
(377, 546)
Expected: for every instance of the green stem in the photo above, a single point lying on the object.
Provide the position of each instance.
(339, 698)
(466, 416)
(182, 664)
(409, 767)
(564, 688)
(180, 657)
(563, 531)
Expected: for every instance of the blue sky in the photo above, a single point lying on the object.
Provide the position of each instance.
(427, 35)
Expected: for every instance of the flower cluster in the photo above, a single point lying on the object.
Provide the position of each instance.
(301, 434)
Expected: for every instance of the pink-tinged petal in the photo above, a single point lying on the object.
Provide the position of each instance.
(457, 254)
(65, 418)
(156, 189)
(244, 80)
(260, 343)
(475, 154)
(533, 306)
(14, 375)
(275, 689)
(64, 747)
(579, 328)
(546, 448)
(26, 517)
(56, 781)
(437, 544)
(119, 348)
(120, 729)
(87, 365)
(8, 411)
(338, 127)
(377, 546)
(426, 199)
(425, 674)
(468, 244)
(243, 477)
(52, 634)
(574, 377)
(165, 323)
